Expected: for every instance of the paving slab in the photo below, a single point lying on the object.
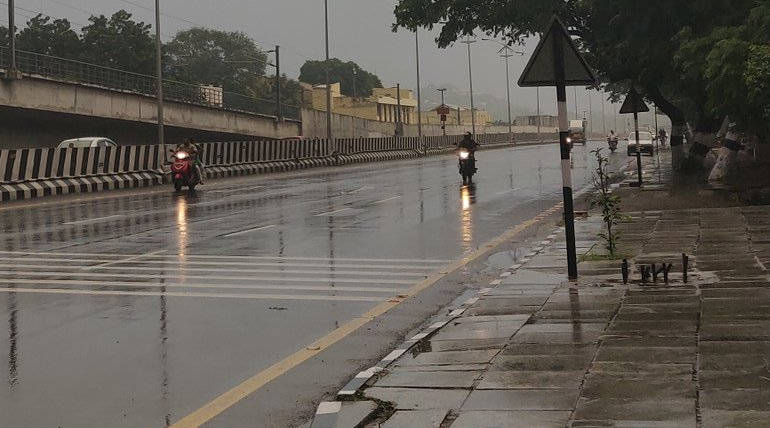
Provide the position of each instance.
(478, 330)
(429, 379)
(540, 363)
(530, 379)
(735, 379)
(420, 398)
(522, 399)
(416, 419)
(448, 357)
(581, 350)
(658, 355)
(466, 344)
(738, 399)
(511, 419)
(675, 411)
(727, 418)
(613, 386)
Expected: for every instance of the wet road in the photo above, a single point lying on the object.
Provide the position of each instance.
(137, 308)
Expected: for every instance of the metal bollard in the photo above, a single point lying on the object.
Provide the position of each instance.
(654, 274)
(624, 271)
(685, 263)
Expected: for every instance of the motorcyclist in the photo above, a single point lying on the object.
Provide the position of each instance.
(189, 147)
(468, 143)
(662, 135)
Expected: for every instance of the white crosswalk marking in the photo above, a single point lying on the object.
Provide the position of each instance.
(263, 277)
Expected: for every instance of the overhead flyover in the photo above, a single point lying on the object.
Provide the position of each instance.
(55, 99)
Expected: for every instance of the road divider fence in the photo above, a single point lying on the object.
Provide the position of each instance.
(37, 172)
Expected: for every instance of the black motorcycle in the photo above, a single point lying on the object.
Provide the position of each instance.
(467, 165)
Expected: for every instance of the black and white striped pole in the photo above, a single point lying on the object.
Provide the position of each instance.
(557, 62)
(564, 146)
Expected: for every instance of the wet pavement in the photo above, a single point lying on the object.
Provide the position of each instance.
(535, 350)
(136, 308)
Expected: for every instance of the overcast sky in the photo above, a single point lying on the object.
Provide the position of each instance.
(360, 31)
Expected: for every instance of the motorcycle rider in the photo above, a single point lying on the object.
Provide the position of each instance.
(469, 144)
(662, 135)
(189, 147)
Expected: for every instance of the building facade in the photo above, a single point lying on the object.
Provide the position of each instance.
(382, 105)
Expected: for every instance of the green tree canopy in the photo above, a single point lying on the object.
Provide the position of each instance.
(231, 60)
(119, 42)
(50, 37)
(314, 73)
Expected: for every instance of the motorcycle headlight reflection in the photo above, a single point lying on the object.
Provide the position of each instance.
(464, 154)
(181, 155)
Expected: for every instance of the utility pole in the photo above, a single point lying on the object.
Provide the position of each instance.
(355, 75)
(278, 112)
(443, 123)
(159, 74)
(419, 93)
(590, 115)
(469, 42)
(329, 135)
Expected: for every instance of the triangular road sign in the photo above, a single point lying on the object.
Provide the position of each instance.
(541, 70)
(633, 103)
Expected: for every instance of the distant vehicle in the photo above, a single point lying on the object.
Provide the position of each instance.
(645, 143)
(79, 143)
(577, 132)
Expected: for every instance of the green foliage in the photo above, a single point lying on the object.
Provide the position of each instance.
(48, 36)
(314, 73)
(119, 42)
(608, 202)
(227, 59)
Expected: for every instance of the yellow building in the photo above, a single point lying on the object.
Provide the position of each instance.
(381, 106)
(458, 116)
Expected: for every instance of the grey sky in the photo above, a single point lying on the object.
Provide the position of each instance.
(360, 31)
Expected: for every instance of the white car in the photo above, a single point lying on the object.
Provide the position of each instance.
(79, 143)
(645, 143)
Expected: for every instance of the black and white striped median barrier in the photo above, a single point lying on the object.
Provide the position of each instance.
(557, 62)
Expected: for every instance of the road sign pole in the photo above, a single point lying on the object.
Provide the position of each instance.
(566, 171)
(638, 149)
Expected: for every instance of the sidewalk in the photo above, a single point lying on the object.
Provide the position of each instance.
(536, 351)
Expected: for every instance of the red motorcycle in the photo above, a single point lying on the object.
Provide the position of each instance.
(183, 171)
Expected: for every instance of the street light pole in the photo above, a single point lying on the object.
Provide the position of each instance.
(539, 119)
(443, 123)
(419, 92)
(355, 76)
(278, 112)
(159, 74)
(507, 55)
(328, 83)
(468, 42)
(604, 119)
(12, 37)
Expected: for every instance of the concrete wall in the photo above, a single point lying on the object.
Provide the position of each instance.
(314, 126)
(39, 95)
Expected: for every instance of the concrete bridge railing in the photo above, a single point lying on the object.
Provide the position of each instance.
(34, 172)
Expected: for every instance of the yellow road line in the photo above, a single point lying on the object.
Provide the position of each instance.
(228, 399)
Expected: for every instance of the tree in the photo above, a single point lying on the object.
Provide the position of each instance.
(231, 60)
(264, 87)
(627, 41)
(314, 73)
(49, 36)
(119, 42)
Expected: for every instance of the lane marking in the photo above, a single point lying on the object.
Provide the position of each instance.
(128, 284)
(231, 397)
(188, 294)
(33, 274)
(48, 255)
(386, 200)
(243, 232)
(216, 263)
(94, 220)
(326, 272)
(126, 260)
(326, 214)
